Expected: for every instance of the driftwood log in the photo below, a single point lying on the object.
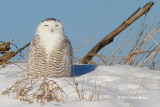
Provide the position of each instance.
(8, 55)
(109, 38)
(4, 47)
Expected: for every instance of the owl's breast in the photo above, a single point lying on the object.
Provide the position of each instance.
(51, 43)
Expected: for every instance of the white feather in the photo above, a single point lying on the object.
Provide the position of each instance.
(50, 35)
(50, 41)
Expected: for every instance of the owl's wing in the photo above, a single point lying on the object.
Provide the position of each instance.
(37, 56)
(69, 49)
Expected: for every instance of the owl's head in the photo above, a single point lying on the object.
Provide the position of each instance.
(50, 25)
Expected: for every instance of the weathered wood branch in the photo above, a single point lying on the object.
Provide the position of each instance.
(5, 46)
(109, 38)
(6, 57)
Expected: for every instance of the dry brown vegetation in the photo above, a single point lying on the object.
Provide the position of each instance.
(43, 89)
(40, 89)
(144, 52)
(140, 49)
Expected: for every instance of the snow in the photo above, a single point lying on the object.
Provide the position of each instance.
(118, 86)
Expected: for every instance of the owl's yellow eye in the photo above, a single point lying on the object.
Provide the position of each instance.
(45, 25)
(56, 25)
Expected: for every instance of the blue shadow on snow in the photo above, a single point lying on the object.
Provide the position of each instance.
(82, 69)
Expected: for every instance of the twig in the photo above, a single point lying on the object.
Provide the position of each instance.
(139, 88)
(83, 44)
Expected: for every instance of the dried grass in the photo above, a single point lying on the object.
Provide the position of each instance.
(83, 44)
(42, 89)
(142, 53)
(140, 85)
(95, 93)
(32, 89)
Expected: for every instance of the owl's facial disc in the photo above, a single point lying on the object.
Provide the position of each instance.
(52, 25)
(49, 28)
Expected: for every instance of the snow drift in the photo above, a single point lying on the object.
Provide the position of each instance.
(103, 86)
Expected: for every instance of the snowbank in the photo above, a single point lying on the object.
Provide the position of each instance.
(113, 86)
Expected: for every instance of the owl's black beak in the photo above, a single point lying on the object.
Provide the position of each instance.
(51, 30)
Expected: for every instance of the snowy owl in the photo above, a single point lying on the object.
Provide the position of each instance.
(50, 52)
